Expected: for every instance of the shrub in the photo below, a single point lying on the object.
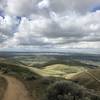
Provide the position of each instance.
(67, 90)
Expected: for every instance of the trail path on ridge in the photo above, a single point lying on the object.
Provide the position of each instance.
(15, 90)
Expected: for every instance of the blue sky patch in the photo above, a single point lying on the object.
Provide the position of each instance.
(95, 8)
(1, 13)
(18, 17)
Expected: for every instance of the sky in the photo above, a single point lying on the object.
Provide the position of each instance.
(50, 25)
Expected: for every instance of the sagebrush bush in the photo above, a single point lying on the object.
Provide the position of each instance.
(67, 90)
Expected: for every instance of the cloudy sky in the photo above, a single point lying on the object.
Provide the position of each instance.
(50, 25)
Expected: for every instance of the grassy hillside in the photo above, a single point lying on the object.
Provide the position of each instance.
(61, 70)
(62, 61)
(87, 80)
(16, 70)
(57, 70)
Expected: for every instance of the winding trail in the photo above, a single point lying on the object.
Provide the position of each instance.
(15, 90)
(90, 74)
(85, 71)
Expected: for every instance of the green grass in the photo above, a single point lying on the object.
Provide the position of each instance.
(57, 70)
(64, 62)
(16, 70)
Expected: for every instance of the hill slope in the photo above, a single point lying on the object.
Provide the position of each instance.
(90, 79)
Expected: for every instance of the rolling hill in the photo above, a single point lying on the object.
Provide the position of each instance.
(90, 79)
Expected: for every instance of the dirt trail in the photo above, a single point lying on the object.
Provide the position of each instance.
(15, 90)
(90, 74)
